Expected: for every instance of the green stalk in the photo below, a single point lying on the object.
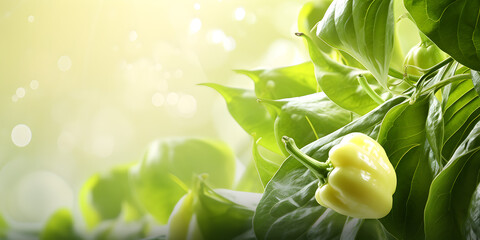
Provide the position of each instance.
(320, 169)
(363, 82)
(447, 81)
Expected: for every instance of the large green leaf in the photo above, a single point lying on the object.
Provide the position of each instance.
(59, 227)
(307, 118)
(461, 109)
(252, 116)
(223, 213)
(453, 25)
(448, 213)
(107, 196)
(363, 29)
(167, 169)
(403, 136)
(285, 82)
(340, 83)
(288, 209)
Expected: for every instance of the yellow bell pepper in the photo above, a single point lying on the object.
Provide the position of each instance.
(357, 180)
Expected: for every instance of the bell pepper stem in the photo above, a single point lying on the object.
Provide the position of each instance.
(320, 169)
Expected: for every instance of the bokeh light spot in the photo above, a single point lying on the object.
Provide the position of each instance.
(229, 44)
(195, 25)
(34, 84)
(64, 63)
(21, 135)
(158, 99)
(239, 14)
(187, 105)
(132, 36)
(20, 92)
(196, 6)
(31, 19)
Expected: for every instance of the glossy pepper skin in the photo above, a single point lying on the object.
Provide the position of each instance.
(357, 180)
(423, 55)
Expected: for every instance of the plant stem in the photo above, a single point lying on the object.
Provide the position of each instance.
(363, 82)
(320, 169)
(443, 83)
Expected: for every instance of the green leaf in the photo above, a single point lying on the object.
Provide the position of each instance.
(250, 181)
(449, 201)
(288, 209)
(265, 167)
(310, 14)
(108, 196)
(307, 118)
(252, 116)
(167, 169)
(476, 80)
(461, 111)
(59, 227)
(403, 136)
(120, 230)
(223, 213)
(453, 25)
(363, 29)
(340, 83)
(285, 82)
(472, 223)
(3, 228)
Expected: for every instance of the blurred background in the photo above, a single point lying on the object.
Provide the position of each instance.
(87, 85)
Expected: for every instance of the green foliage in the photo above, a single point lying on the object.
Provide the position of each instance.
(108, 196)
(167, 169)
(60, 227)
(363, 29)
(450, 211)
(249, 114)
(453, 25)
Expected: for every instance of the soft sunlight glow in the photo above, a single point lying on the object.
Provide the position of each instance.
(187, 105)
(229, 44)
(158, 99)
(132, 36)
(216, 36)
(195, 25)
(21, 135)
(239, 14)
(64, 63)
(172, 98)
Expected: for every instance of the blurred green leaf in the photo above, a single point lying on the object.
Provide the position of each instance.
(225, 214)
(250, 180)
(60, 227)
(453, 25)
(449, 206)
(307, 118)
(252, 116)
(265, 167)
(363, 29)
(340, 83)
(107, 196)
(309, 15)
(285, 82)
(166, 172)
(3, 228)
(472, 222)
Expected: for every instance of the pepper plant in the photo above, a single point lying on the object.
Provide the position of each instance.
(419, 112)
